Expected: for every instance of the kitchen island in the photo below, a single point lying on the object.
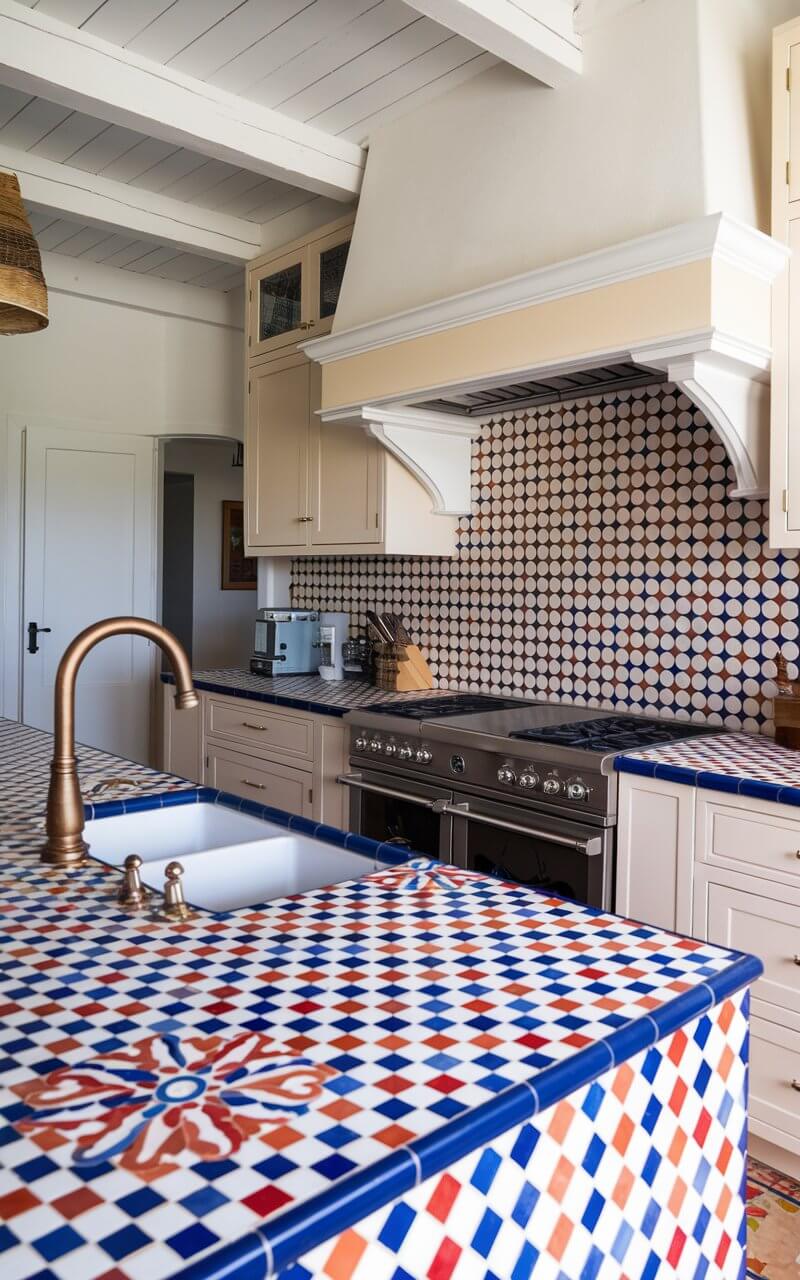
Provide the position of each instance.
(421, 1073)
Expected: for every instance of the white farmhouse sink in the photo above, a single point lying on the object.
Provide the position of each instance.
(176, 831)
(255, 873)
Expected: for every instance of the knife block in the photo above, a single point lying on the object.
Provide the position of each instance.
(401, 668)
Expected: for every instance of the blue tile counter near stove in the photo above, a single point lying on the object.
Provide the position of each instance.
(303, 693)
(422, 1073)
(742, 764)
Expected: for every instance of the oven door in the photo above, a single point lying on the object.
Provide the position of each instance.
(555, 855)
(401, 811)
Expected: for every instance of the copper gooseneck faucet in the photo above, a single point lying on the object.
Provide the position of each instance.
(65, 845)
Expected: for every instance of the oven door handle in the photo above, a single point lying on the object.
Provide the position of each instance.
(590, 847)
(354, 780)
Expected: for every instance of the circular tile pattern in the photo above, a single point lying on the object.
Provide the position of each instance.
(603, 564)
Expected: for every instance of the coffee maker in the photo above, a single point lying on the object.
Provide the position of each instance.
(286, 642)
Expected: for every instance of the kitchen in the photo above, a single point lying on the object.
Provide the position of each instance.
(537, 468)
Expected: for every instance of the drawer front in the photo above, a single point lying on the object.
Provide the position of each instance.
(774, 1070)
(267, 731)
(768, 928)
(273, 784)
(750, 840)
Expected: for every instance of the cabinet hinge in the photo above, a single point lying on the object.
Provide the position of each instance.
(785, 500)
(788, 173)
(788, 79)
(377, 519)
(249, 340)
(206, 761)
(249, 386)
(250, 296)
(310, 795)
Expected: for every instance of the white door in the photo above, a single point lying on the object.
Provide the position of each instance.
(88, 554)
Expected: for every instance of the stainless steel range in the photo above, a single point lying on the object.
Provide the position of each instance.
(525, 790)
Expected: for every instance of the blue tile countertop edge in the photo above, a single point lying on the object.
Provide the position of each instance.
(274, 699)
(268, 1250)
(756, 789)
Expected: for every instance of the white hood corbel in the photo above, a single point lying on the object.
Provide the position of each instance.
(436, 448)
(729, 381)
(692, 303)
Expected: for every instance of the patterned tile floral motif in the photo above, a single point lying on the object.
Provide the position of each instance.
(604, 564)
(153, 1102)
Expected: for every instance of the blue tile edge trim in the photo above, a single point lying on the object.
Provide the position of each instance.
(374, 850)
(755, 788)
(287, 1236)
(274, 699)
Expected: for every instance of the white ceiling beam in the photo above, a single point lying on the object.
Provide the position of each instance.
(49, 59)
(536, 36)
(102, 202)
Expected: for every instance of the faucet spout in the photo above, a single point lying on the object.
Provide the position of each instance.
(65, 845)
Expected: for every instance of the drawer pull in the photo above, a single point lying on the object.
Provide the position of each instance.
(795, 1085)
(796, 959)
(259, 786)
(262, 728)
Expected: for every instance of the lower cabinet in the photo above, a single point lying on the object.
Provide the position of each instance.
(257, 779)
(726, 869)
(276, 756)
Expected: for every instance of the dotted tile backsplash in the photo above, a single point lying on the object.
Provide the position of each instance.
(603, 565)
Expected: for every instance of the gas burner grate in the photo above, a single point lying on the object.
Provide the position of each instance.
(611, 733)
(459, 705)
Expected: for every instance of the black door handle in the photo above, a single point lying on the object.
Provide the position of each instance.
(33, 631)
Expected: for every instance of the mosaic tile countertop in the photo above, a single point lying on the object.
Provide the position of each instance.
(221, 1096)
(303, 693)
(740, 763)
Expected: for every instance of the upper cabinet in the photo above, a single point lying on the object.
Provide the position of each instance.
(293, 295)
(784, 513)
(311, 487)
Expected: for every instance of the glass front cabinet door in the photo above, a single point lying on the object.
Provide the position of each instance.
(294, 296)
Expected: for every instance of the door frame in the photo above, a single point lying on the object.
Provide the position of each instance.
(11, 632)
(12, 538)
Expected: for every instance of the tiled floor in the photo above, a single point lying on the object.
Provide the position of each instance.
(773, 1224)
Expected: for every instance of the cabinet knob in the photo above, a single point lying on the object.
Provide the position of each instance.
(795, 1085)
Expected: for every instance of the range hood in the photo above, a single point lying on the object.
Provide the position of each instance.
(691, 304)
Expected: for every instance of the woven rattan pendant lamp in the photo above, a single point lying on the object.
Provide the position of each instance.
(23, 292)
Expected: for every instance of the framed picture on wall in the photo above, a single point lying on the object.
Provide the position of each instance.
(238, 570)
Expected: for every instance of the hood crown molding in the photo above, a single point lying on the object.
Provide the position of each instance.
(716, 236)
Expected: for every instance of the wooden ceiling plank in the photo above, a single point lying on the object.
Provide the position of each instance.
(105, 248)
(402, 47)
(132, 164)
(248, 25)
(474, 66)
(76, 70)
(177, 26)
(74, 132)
(452, 53)
(97, 201)
(340, 49)
(85, 238)
(536, 36)
(73, 12)
(189, 185)
(35, 121)
(120, 21)
(179, 164)
(308, 28)
(12, 101)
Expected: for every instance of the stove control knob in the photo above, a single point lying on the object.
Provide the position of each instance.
(528, 780)
(551, 786)
(390, 749)
(506, 775)
(361, 743)
(375, 746)
(577, 789)
(423, 755)
(406, 752)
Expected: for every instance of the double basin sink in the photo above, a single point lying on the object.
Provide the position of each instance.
(229, 859)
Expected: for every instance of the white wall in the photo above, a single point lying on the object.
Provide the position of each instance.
(122, 353)
(222, 632)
